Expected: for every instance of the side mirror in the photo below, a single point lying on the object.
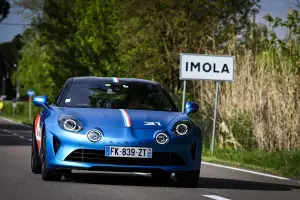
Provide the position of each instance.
(191, 107)
(40, 101)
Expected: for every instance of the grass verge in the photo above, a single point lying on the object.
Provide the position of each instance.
(17, 118)
(20, 113)
(282, 163)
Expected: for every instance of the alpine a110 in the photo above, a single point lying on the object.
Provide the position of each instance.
(115, 124)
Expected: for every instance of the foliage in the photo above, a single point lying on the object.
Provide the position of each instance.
(4, 9)
(289, 45)
(125, 38)
(8, 58)
(96, 38)
(21, 113)
(155, 32)
(68, 41)
(35, 67)
(242, 129)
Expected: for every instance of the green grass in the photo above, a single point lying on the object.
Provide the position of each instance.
(17, 118)
(283, 163)
(21, 113)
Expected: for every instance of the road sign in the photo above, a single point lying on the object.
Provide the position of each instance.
(30, 93)
(206, 67)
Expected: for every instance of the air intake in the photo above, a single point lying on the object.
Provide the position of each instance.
(56, 144)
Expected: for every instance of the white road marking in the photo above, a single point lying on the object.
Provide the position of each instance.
(20, 131)
(215, 197)
(29, 139)
(15, 134)
(5, 130)
(22, 137)
(8, 120)
(11, 121)
(7, 136)
(247, 171)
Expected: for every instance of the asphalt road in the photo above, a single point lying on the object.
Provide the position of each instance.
(17, 181)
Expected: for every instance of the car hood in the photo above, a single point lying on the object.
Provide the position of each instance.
(138, 119)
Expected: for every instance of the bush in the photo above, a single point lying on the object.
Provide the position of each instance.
(241, 126)
(21, 111)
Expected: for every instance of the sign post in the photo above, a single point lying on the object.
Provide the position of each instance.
(183, 96)
(206, 67)
(215, 117)
(30, 93)
(14, 105)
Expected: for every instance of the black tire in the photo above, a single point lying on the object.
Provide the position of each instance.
(189, 179)
(36, 165)
(47, 174)
(161, 175)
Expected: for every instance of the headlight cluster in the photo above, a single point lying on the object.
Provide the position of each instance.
(69, 123)
(182, 128)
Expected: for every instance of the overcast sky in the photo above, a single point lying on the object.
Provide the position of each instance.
(277, 8)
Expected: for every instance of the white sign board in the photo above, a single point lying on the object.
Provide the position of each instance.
(206, 67)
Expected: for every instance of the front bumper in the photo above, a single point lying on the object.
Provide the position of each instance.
(67, 150)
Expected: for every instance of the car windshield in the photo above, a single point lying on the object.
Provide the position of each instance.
(140, 96)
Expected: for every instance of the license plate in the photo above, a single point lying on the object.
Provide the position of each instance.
(129, 152)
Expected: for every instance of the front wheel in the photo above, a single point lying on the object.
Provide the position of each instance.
(36, 166)
(48, 174)
(190, 178)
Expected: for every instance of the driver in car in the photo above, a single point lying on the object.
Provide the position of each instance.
(134, 101)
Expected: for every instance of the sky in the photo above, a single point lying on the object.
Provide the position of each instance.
(277, 8)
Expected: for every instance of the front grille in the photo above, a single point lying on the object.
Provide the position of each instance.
(97, 156)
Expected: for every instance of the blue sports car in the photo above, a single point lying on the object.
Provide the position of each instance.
(115, 124)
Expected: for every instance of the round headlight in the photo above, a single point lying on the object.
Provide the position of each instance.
(162, 138)
(94, 135)
(70, 124)
(181, 129)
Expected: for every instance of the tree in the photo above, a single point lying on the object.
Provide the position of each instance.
(154, 33)
(254, 38)
(289, 46)
(96, 37)
(8, 58)
(4, 9)
(130, 38)
(34, 68)
(35, 6)
(73, 38)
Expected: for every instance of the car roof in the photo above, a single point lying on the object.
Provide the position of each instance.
(94, 79)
